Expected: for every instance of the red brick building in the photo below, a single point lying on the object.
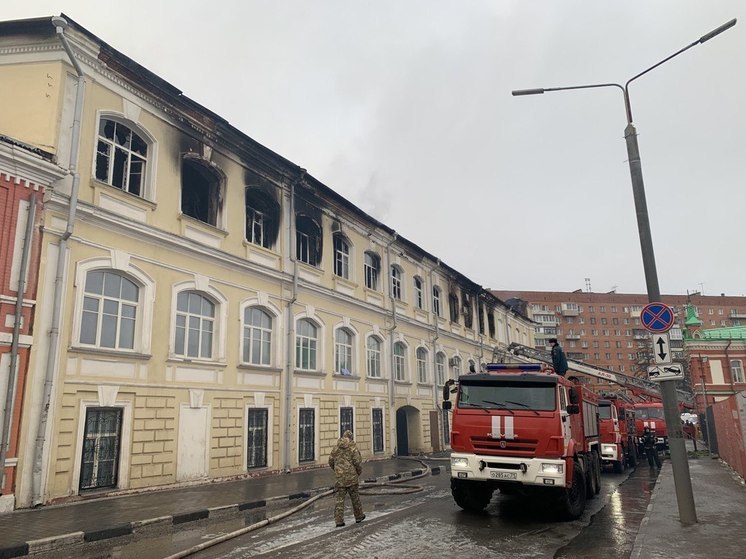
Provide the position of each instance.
(604, 328)
(24, 173)
(717, 358)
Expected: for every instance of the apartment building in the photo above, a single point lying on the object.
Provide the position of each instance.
(205, 308)
(604, 328)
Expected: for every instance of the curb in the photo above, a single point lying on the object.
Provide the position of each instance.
(642, 532)
(55, 543)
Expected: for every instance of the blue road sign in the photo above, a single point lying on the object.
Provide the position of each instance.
(657, 317)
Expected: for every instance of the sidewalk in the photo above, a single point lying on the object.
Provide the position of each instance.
(720, 503)
(29, 531)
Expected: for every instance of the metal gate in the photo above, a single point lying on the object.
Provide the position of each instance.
(100, 464)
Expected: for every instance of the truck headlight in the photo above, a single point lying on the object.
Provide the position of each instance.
(459, 463)
(552, 468)
(608, 448)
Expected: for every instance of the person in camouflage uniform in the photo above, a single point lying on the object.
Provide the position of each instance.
(346, 462)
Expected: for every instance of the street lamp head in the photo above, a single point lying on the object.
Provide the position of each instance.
(517, 92)
(717, 31)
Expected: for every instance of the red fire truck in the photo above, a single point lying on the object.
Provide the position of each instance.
(618, 432)
(650, 414)
(524, 430)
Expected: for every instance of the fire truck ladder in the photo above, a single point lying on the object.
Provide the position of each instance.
(634, 384)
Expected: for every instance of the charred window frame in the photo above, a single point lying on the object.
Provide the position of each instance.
(262, 218)
(480, 317)
(341, 256)
(121, 157)
(372, 268)
(396, 275)
(436, 301)
(418, 300)
(491, 323)
(453, 307)
(307, 240)
(467, 310)
(201, 190)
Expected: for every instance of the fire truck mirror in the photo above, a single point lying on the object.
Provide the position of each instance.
(447, 389)
(572, 409)
(446, 405)
(573, 396)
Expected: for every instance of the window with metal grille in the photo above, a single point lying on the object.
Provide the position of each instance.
(399, 362)
(341, 256)
(372, 268)
(109, 310)
(373, 357)
(306, 426)
(346, 420)
(101, 439)
(256, 443)
(377, 430)
(305, 345)
(121, 156)
(421, 365)
(257, 336)
(195, 324)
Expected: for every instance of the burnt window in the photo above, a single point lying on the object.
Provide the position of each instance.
(453, 306)
(121, 157)
(262, 218)
(200, 190)
(491, 324)
(467, 310)
(481, 318)
(307, 240)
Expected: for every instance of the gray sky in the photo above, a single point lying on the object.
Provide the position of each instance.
(404, 107)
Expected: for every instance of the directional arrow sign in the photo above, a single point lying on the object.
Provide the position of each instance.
(662, 349)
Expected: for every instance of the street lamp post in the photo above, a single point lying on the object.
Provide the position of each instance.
(679, 462)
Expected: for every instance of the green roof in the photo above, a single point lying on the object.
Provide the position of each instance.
(691, 316)
(733, 333)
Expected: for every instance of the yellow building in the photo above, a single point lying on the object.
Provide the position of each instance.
(206, 308)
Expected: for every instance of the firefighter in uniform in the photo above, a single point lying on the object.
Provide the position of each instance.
(648, 442)
(346, 462)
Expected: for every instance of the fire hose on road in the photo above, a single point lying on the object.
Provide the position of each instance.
(394, 487)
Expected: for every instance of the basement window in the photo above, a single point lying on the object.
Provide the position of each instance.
(201, 190)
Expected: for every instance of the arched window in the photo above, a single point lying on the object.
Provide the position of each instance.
(372, 268)
(121, 157)
(201, 190)
(257, 336)
(373, 356)
(440, 368)
(341, 256)
(306, 343)
(400, 362)
(421, 365)
(456, 366)
(343, 351)
(396, 275)
(436, 300)
(195, 325)
(418, 300)
(262, 218)
(109, 310)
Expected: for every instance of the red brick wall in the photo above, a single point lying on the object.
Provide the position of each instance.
(730, 435)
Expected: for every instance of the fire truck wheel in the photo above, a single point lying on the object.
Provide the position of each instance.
(471, 495)
(571, 501)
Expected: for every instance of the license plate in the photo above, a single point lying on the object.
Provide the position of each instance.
(504, 475)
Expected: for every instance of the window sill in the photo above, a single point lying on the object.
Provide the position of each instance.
(425, 384)
(402, 383)
(376, 379)
(123, 195)
(199, 362)
(309, 373)
(208, 228)
(258, 368)
(110, 352)
(351, 377)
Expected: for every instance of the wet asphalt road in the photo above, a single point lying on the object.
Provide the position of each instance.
(428, 524)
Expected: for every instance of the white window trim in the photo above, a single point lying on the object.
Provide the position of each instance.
(407, 361)
(320, 338)
(276, 314)
(383, 355)
(270, 434)
(125, 444)
(146, 285)
(355, 348)
(221, 322)
(149, 182)
(427, 365)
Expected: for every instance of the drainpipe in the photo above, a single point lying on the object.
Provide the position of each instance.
(288, 389)
(59, 283)
(21, 290)
(436, 402)
(392, 411)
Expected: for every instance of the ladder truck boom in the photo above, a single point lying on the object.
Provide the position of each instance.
(636, 385)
